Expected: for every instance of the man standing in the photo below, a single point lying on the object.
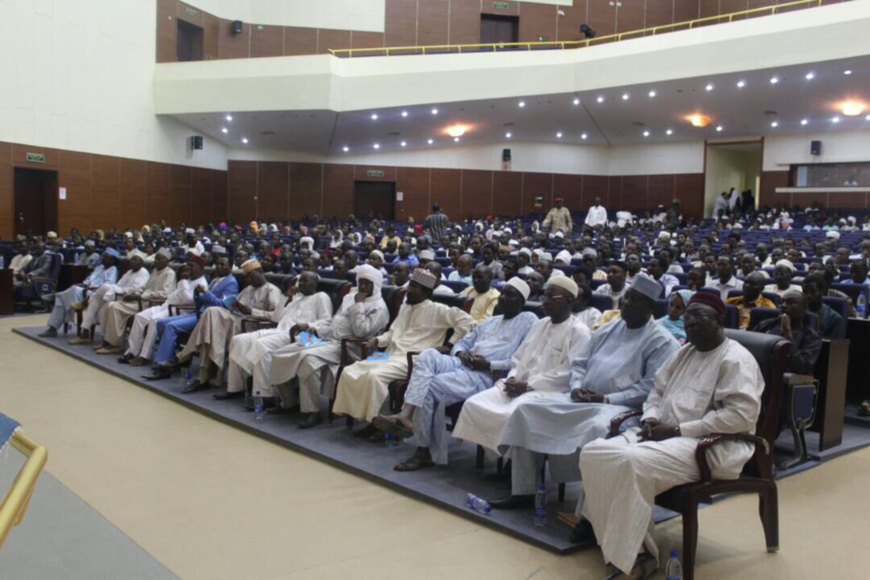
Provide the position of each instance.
(806, 345)
(753, 285)
(437, 224)
(713, 385)
(421, 324)
(559, 218)
(440, 380)
(484, 295)
(597, 215)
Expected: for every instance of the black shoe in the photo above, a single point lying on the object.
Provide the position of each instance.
(312, 420)
(224, 395)
(125, 360)
(513, 502)
(48, 333)
(158, 374)
(583, 534)
(279, 410)
(195, 385)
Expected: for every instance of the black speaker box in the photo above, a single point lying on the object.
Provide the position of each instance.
(237, 27)
(196, 142)
(506, 155)
(815, 147)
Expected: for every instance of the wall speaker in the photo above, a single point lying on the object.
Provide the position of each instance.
(196, 142)
(815, 147)
(237, 27)
(506, 155)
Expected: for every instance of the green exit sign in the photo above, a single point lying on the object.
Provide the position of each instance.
(375, 173)
(35, 158)
(501, 5)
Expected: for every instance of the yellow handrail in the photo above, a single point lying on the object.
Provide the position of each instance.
(18, 497)
(350, 52)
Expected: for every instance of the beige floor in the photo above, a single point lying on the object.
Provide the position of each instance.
(214, 503)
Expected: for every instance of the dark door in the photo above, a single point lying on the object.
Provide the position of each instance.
(498, 29)
(375, 199)
(190, 42)
(35, 201)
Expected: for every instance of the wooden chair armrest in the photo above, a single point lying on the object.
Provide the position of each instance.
(154, 301)
(411, 356)
(617, 421)
(345, 357)
(709, 441)
(181, 307)
(249, 322)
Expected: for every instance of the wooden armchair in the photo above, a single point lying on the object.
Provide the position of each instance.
(771, 352)
(345, 361)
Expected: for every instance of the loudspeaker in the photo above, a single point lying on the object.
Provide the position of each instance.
(196, 142)
(815, 147)
(506, 155)
(237, 27)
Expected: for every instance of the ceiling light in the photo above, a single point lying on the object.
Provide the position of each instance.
(698, 120)
(245, 140)
(774, 80)
(804, 121)
(709, 87)
(559, 135)
(867, 118)
(646, 133)
(374, 116)
(576, 101)
(847, 72)
(225, 130)
(810, 76)
(600, 99)
(404, 113)
(584, 136)
(852, 108)
(456, 130)
(229, 117)
(669, 132)
(403, 143)
(456, 139)
(652, 94)
(625, 96)
(775, 124)
(345, 148)
(434, 111)
(741, 84)
(719, 128)
(522, 104)
(430, 141)
(835, 120)
(376, 146)
(508, 135)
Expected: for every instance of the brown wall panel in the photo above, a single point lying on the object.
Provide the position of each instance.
(476, 193)
(367, 40)
(507, 193)
(332, 39)
(846, 199)
(306, 189)
(432, 20)
(413, 183)
(614, 191)
(273, 188)
(19, 156)
(106, 190)
(659, 12)
(190, 14)
(689, 189)
(167, 31)
(400, 22)
(361, 173)
(200, 196)
(300, 41)
(534, 185)
(211, 37)
(770, 180)
(630, 16)
(686, 10)
(594, 186)
(7, 200)
(75, 175)
(267, 41)
(464, 21)
(242, 191)
(488, 7)
(180, 193)
(157, 205)
(219, 195)
(601, 16)
(537, 22)
(233, 46)
(634, 193)
(568, 26)
(133, 192)
(446, 191)
(660, 190)
(730, 6)
(708, 8)
(569, 187)
(338, 189)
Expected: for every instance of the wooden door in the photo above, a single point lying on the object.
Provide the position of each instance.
(35, 201)
(497, 29)
(374, 199)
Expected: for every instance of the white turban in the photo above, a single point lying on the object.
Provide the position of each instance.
(565, 283)
(370, 273)
(520, 285)
(564, 256)
(785, 264)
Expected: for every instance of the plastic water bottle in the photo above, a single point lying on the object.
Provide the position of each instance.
(478, 504)
(541, 506)
(390, 440)
(2, 262)
(188, 378)
(861, 305)
(673, 569)
(258, 406)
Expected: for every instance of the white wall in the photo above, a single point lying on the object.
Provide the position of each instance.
(657, 159)
(727, 169)
(780, 152)
(78, 77)
(364, 15)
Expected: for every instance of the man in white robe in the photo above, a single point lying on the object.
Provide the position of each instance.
(597, 214)
(96, 305)
(712, 385)
(440, 380)
(421, 324)
(70, 300)
(362, 314)
(143, 333)
(159, 286)
(615, 375)
(541, 365)
(251, 352)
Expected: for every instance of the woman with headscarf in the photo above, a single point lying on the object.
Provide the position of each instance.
(673, 320)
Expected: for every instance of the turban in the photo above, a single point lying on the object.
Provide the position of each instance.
(164, 252)
(559, 234)
(250, 266)
(167, 230)
(564, 256)
(377, 253)
(520, 285)
(307, 240)
(113, 252)
(832, 234)
(51, 235)
(366, 272)
(545, 257)
(784, 264)
(647, 286)
(565, 283)
(194, 259)
(559, 200)
(526, 251)
(589, 252)
(189, 231)
(90, 244)
(424, 278)
(218, 249)
(711, 300)
(126, 234)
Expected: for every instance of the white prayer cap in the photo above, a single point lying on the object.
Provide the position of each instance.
(377, 253)
(167, 230)
(189, 231)
(557, 272)
(784, 264)
(546, 257)
(128, 234)
(90, 244)
(538, 252)
(508, 231)
(564, 256)
(215, 249)
(832, 234)
(164, 252)
(589, 252)
(526, 251)
(424, 278)
(647, 286)
(427, 255)
(559, 234)
(565, 283)
(520, 285)
(315, 256)
(851, 219)
(513, 243)
(664, 235)
(307, 239)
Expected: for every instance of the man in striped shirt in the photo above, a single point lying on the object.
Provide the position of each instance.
(437, 224)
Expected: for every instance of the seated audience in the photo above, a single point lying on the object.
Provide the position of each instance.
(806, 344)
(484, 295)
(830, 323)
(753, 285)
(583, 312)
(726, 280)
(783, 273)
(66, 302)
(673, 320)
(615, 287)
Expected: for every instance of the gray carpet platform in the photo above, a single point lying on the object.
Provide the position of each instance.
(445, 487)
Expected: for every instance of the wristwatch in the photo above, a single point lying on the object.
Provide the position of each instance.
(677, 432)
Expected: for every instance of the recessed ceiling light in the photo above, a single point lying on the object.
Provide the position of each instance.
(434, 111)
(835, 120)
(245, 140)
(430, 141)
(345, 148)
(774, 80)
(404, 113)
(229, 117)
(584, 136)
(508, 135)
(600, 99)
(741, 84)
(847, 72)
(225, 130)
(804, 121)
(709, 87)
(669, 132)
(559, 135)
(810, 76)
(852, 108)
(646, 133)
(403, 143)
(867, 118)
(456, 139)
(376, 146)
(625, 96)
(719, 128)
(652, 94)
(576, 101)
(774, 124)
(374, 116)
(522, 104)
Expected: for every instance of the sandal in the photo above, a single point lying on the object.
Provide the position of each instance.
(392, 427)
(414, 463)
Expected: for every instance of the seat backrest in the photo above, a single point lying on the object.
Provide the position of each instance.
(840, 305)
(853, 291)
(279, 280)
(731, 316)
(335, 289)
(393, 296)
(660, 309)
(455, 285)
(601, 302)
(534, 307)
(464, 303)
